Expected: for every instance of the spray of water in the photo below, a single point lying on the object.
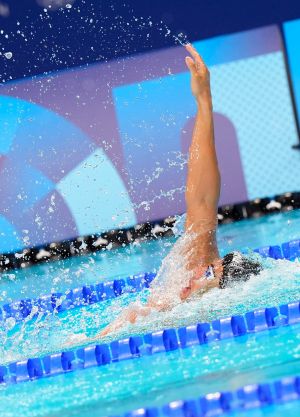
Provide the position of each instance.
(277, 283)
(41, 334)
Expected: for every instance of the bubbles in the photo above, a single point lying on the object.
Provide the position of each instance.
(53, 5)
(11, 277)
(8, 55)
(135, 30)
(104, 36)
(181, 38)
(10, 323)
(266, 289)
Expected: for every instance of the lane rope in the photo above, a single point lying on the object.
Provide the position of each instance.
(167, 340)
(95, 293)
(220, 403)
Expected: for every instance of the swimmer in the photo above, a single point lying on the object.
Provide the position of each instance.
(206, 268)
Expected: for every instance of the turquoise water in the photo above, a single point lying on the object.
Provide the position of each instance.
(57, 332)
(120, 387)
(150, 381)
(61, 275)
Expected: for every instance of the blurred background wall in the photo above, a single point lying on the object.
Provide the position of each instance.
(96, 113)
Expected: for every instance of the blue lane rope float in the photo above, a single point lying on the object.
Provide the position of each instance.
(76, 297)
(90, 294)
(160, 341)
(288, 250)
(220, 403)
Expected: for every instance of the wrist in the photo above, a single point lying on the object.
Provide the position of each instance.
(204, 106)
(204, 99)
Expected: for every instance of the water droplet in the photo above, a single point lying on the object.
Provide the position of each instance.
(10, 323)
(8, 55)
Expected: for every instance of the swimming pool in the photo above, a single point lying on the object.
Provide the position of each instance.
(155, 380)
(147, 256)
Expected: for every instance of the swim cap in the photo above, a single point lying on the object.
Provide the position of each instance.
(238, 268)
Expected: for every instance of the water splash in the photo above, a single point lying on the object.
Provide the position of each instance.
(278, 283)
(39, 335)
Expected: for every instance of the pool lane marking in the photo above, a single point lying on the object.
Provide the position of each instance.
(251, 396)
(90, 294)
(152, 343)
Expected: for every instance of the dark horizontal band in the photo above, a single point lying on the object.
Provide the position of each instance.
(151, 230)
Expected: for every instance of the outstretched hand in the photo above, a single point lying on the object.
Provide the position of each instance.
(114, 326)
(200, 77)
(128, 315)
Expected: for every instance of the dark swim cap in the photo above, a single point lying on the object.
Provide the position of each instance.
(238, 268)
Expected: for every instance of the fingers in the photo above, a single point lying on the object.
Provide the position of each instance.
(198, 60)
(191, 64)
(195, 63)
(130, 315)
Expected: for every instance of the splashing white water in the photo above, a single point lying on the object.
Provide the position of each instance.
(8, 55)
(278, 283)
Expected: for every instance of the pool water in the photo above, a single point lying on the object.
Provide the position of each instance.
(188, 373)
(153, 381)
(51, 333)
(147, 256)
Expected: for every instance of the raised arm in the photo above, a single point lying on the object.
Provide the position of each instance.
(203, 180)
(202, 195)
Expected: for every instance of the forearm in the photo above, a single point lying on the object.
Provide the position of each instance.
(203, 180)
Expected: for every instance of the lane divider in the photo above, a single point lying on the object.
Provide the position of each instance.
(220, 403)
(160, 341)
(90, 294)
(288, 250)
(76, 297)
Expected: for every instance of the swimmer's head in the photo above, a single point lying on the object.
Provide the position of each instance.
(238, 268)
